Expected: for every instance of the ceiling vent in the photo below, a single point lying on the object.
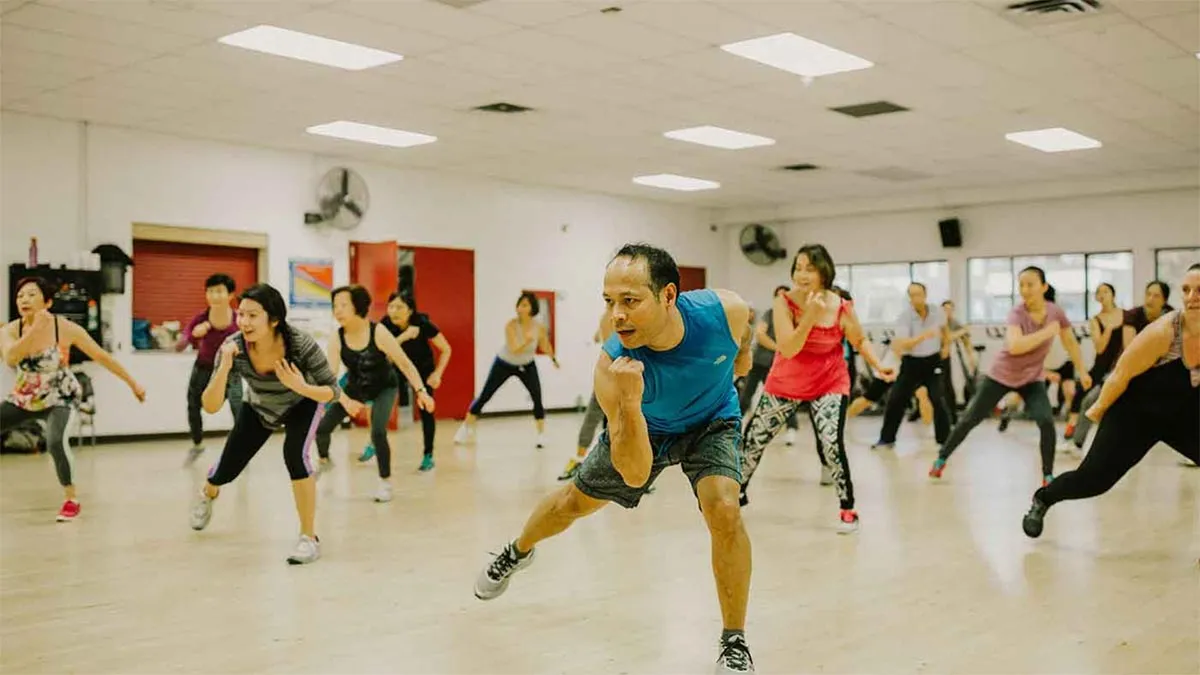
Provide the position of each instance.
(502, 107)
(1053, 7)
(799, 167)
(870, 109)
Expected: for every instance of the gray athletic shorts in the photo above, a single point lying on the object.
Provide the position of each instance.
(710, 450)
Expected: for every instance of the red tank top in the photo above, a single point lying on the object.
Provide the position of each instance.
(819, 368)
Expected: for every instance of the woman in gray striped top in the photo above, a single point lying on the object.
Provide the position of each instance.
(287, 378)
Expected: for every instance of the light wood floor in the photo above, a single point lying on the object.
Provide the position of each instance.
(939, 580)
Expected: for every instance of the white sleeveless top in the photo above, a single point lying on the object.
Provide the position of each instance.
(521, 358)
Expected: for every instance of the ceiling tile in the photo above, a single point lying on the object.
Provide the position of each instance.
(21, 39)
(951, 22)
(1117, 45)
(74, 24)
(176, 18)
(617, 33)
(363, 31)
(429, 17)
(1181, 31)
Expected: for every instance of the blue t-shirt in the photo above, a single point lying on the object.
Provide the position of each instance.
(692, 384)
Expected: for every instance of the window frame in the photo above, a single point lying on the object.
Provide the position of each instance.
(1087, 306)
(848, 283)
(1158, 271)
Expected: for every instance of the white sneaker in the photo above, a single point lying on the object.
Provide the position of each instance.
(308, 549)
(540, 442)
(463, 435)
(493, 579)
(789, 439)
(847, 521)
(384, 493)
(826, 476)
(201, 511)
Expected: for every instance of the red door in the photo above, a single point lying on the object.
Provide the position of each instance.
(444, 288)
(692, 278)
(376, 267)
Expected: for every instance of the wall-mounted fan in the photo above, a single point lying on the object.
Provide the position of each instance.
(761, 245)
(342, 198)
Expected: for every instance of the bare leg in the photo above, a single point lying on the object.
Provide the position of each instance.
(730, 547)
(305, 493)
(925, 406)
(556, 512)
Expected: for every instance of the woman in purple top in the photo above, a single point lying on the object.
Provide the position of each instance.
(206, 332)
(1032, 326)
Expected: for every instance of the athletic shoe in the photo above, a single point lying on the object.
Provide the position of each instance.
(308, 549)
(789, 438)
(1069, 432)
(540, 442)
(939, 465)
(201, 511)
(384, 493)
(847, 521)
(571, 469)
(426, 463)
(1032, 522)
(826, 476)
(880, 445)
(1046, 479)
(494, 578)
(1004, 420)
(68, 512)
(464, 435)
(367, 453)
(193, 454)
(734, 656)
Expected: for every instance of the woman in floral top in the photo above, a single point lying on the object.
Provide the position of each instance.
(38, 345)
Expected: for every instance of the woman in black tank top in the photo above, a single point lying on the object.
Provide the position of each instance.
(368, 351)
(1109, 338)
(1151, 396)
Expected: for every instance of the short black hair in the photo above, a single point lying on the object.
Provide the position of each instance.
(1104, 284)
(819, 257)
(220, 280)
(406, 298)
(359, 297)
(43, 285)
(1194, 267)
(535, 305)
(781, 287)
(917, 283)
(661, 266)
(947, 302)
(1162, 288)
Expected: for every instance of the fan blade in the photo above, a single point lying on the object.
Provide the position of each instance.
(353, 208)
(345, 182)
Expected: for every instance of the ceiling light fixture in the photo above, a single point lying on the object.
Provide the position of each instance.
(368, 133)
(717, 137)
(799, 55)
(670, 181)
(1056, 139)
(310, 48)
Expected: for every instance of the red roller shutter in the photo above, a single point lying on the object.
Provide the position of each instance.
(168, 277)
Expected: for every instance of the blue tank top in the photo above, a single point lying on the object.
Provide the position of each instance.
(692, 384)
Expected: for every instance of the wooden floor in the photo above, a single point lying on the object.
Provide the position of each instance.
(939, 580)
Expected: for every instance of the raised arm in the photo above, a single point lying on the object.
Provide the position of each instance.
(618, 386)
(790, 337)
(737, 314)
(333, 354)
(17, 347)
(1018, 343)
(761, 335)
(387, 343)
(855, 335)
(443, 346)
(1146, 348)
(515, 337)
(1067, 336)
(543, 338)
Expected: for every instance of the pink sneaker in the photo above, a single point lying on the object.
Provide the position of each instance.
(68, 512)
(847, 521)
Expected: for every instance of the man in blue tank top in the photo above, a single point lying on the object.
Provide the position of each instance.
(666, 385)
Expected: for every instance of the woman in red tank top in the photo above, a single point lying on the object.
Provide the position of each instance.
(811, 321)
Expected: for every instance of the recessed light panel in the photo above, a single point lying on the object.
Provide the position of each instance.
(670, 181)
(716, 137)
(310, 48)
(1054, 140)
(796, 54)
(368, 133)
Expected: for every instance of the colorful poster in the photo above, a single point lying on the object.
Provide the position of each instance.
(311, 282)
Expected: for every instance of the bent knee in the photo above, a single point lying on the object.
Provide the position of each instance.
(570, 501)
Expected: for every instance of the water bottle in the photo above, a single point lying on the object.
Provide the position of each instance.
(93, 317)
(33, 252)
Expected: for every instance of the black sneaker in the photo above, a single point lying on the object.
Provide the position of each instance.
(1032, 522)
(735, 657)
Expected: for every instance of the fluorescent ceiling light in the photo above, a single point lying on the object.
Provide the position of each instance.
(311, 48)
(670, 181)
(719, 138)
(795, 54)
(367, 133)
(1053, 140)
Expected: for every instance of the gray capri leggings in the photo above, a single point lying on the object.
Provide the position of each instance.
(591, 421)
(57, 418)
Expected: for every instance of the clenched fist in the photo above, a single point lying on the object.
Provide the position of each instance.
(228, 351)
(628, 374)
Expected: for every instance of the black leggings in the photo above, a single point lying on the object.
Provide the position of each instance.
(249, 434)
(196, 384)
(1037, 405)
(1123, 438)
(381, 411)
(57, 417)
(499, 374)
(916, 372)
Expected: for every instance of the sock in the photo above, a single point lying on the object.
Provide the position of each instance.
(517, 550)
(728, 634)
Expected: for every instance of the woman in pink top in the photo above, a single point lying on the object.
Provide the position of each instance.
(1032, 326)
(811, 320)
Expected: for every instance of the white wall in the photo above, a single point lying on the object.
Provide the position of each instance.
(1138, 222)
(76, 188)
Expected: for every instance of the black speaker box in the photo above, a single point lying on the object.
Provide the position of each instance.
(951, 231)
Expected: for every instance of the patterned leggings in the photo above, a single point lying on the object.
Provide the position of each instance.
(828, 417)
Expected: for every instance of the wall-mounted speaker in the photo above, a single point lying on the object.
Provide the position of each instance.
(951, 231)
